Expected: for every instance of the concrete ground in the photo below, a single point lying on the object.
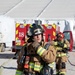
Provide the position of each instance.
(71, 63)
(8, 65)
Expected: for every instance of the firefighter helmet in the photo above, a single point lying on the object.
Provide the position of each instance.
(60, 36)
(35, 30)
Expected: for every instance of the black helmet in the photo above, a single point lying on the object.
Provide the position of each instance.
(35, 30)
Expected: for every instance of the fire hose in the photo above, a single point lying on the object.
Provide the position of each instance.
(70, 62)
(1, 66)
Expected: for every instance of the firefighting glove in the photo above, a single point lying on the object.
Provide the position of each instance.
(18, 72)
(60, 44)
(65, 50)
(52, 42)
(35, 45)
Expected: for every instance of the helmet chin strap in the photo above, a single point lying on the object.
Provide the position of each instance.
(42, 38)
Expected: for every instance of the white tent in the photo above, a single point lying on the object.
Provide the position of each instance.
(23, 10)
(38, 8)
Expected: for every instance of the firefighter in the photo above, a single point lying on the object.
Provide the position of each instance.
(39, 55)
(62, 46)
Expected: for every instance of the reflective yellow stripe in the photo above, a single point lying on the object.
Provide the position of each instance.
(46, 25)
(54, 26)
(35, 66)
(18, 43)
(52, 65)
(54, 33)
(58, 48)
(25, 24)
(31, 25)
(63, 73)
(19, 72)
(57, 72)
(17, 32)
(40, 51)
(17, 24)
(65, 46)
(16, 38)
(38, 67)
(31, 65)
(60, 55)
(55, 43)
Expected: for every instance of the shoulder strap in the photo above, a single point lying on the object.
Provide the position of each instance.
(25, 50)
(22, 59)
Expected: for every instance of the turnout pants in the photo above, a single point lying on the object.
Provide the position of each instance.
(32, 73)
(61, 65)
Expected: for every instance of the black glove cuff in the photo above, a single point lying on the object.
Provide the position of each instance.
(60, 44)
(65, 51)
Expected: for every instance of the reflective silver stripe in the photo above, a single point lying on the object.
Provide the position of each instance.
(35, 66)
(60, 55)
(65, 46)
(40, 51)
(52, 65)
(38, 67)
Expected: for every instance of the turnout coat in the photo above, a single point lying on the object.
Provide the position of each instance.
(34, 60)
